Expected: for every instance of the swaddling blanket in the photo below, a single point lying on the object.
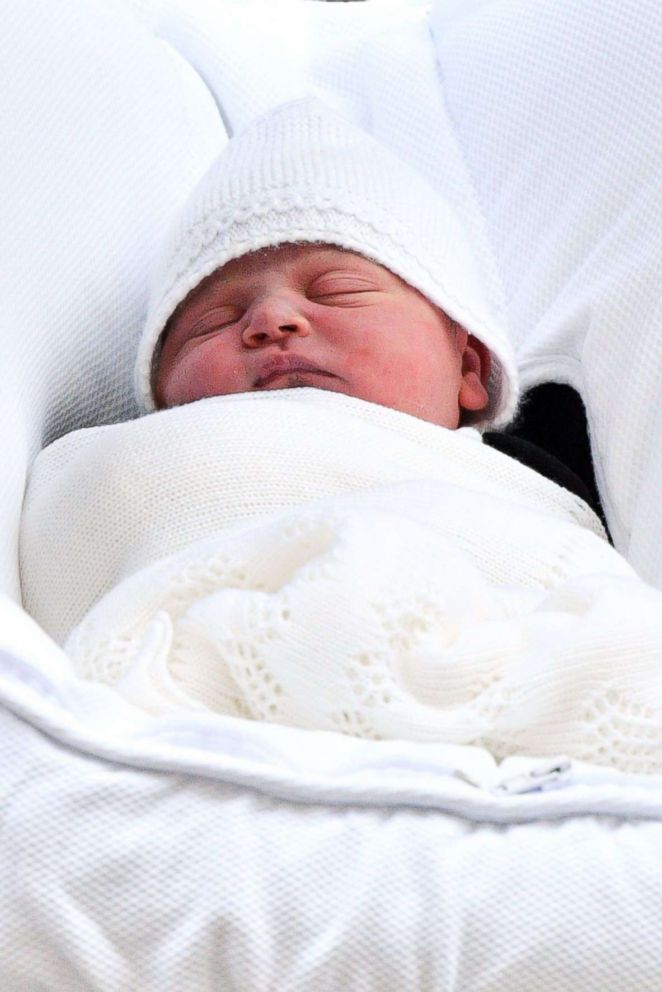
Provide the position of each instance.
(308, 558)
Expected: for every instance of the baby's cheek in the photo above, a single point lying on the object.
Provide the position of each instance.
(197, 376)
(372, 349)
(396, 370)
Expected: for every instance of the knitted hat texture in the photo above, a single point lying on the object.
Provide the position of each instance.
(302, 173)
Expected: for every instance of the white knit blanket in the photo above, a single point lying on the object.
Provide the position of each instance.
(307, 558)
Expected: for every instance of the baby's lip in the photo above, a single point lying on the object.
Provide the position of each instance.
(282, 364)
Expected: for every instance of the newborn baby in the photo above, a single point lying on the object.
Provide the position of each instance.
(307, 528)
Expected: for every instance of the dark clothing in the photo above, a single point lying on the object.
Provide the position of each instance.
(550, 435)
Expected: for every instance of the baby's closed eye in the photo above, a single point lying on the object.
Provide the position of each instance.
(338, 288)
(216, 318)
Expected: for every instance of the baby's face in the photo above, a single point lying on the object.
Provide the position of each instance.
(357, 327)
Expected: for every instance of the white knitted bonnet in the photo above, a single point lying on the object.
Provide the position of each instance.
(302, 173)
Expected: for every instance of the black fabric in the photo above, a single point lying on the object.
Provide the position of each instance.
(550, 436)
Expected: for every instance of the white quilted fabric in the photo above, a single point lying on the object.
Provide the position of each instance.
(557, 108)
(105, 130)
(411, 898)
(194, 857)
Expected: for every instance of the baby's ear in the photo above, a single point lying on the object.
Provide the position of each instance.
(476, 366)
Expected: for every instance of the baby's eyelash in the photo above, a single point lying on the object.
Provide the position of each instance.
(340, 284)
(340, 289)
(344, 292)
(211, 323)
(340, 297)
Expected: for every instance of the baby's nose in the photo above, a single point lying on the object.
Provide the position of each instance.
(274, 316)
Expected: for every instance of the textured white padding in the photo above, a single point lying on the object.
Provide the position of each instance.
(105, 128)
(558, 109)
(118, 877)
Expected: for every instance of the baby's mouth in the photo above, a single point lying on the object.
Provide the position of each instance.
(293, 377)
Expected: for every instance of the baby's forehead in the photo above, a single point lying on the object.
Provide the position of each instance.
(289, 254)
(308, 258)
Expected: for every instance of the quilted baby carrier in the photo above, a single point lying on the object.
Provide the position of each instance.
(201, 851)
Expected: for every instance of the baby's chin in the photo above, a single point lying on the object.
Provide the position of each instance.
(327, 383)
